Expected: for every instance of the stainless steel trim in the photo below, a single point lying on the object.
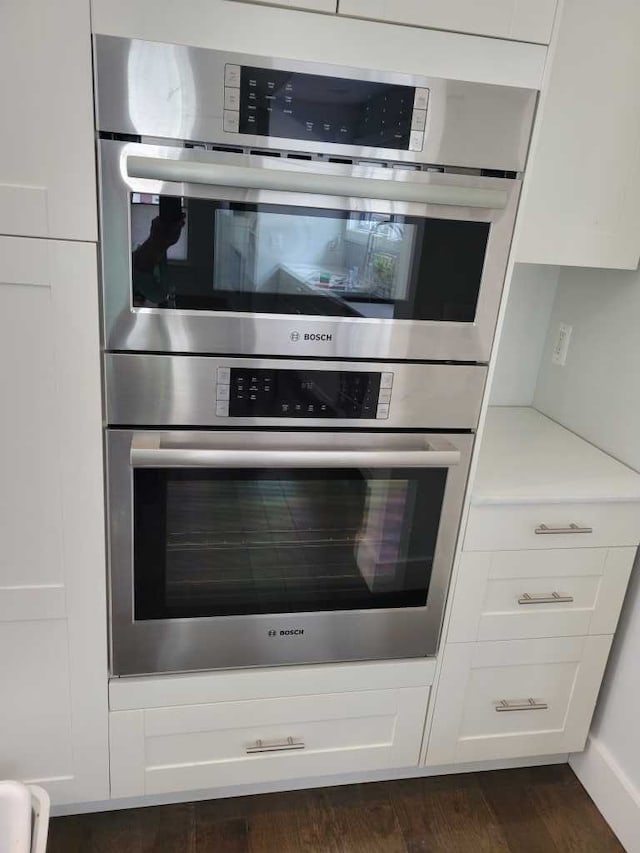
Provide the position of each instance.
(545, 530)
(275, 746)
(544, 598)
(291, 178)
(472, 125)
(140, 647)
(147, 451)
(181, 391)
(519, 705)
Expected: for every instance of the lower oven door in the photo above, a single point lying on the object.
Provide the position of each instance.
(246, 549)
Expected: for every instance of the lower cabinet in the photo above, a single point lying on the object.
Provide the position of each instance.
(192, 747)
(515, 699)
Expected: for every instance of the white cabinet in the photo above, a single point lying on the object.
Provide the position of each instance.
(579, 204)
(516, 699)
(310, 5)
(53, 670)
(47, 170)
(519, 20)
(533, 613)
(215, 730)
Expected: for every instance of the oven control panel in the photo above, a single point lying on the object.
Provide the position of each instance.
(282, 393)
(346, 111)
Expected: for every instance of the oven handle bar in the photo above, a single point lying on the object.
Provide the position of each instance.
(147, 452)
(288, 180)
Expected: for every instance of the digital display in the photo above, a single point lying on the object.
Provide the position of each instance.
(303, 394)
(325, 109)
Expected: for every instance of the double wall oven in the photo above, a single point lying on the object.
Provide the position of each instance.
(302, 270)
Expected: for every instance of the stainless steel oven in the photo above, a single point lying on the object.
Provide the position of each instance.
(322, 529)
(272, 207)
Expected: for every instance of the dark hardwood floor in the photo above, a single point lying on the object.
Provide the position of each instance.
(534, 810)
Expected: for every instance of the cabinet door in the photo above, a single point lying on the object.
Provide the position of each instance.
(53, 712)
(580, 200)
(191, 747)
(311, 5)
(520, 20)
(515, 699)
(47, 168)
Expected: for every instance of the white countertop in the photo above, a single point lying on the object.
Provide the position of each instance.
(525, 457)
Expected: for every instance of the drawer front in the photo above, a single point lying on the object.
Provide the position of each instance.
(508, 595)
(493, 527)
(521, 20)
(516, 699)
(162, 750)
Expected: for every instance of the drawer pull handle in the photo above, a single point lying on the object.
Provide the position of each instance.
(519, 705)
(275, 746)
(544, 529)
(543, 598)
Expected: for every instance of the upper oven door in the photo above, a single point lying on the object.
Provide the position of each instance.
(210, 252)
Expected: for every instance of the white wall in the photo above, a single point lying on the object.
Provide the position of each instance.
(533, 290)
(597, 393)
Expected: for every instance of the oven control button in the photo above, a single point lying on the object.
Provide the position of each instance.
(231, 122)
(416, 140)
(222, 408)
(421, 99)
(386, 380)
(232, 76)
(384, 396)
(222, 392)
(231, 99)
(383, 412)
(224, 375)
(419, 120)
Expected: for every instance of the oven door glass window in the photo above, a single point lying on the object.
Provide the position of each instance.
(200, 254)
(233, 542)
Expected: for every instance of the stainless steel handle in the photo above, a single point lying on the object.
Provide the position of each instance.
(275, 746)
(544, 598)
(544, 529)
(521, 705)
(147, 452)
(297, 180)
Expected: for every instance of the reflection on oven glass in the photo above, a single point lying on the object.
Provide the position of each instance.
(283, 542)
(200, 254)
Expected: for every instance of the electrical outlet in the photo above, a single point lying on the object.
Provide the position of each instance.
(561, 346)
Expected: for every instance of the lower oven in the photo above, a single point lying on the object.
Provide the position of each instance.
(259, 547)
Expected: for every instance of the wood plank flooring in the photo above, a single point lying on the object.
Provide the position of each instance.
(534, 810)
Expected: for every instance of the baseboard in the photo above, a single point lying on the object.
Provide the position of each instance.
(301, 784)
(611, 790)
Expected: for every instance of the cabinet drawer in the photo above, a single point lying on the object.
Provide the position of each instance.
(516, 699)
(162, 750)
(498, 527)
(521, 20)
(526, 594)
(309, 5)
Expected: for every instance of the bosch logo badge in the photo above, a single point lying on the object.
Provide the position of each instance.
(309, 336)
(286, 632)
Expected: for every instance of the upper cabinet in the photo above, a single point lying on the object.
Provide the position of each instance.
(47, 168)
(520, 20)
(580, 200)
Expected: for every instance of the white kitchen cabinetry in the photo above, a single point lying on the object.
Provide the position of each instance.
(310, 5)
(580, 202)
(47, 171)
(223, 729)
(53, 669)
(518, 20)
(533, 613)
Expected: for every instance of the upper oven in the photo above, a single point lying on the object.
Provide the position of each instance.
(263, 207)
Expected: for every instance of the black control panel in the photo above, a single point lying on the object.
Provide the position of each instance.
(303, 394)
(292, 105)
